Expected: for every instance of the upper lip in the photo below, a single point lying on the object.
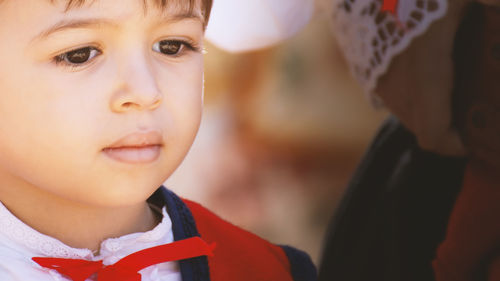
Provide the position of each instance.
(139, 139)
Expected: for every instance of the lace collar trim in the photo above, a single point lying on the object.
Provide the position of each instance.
(43, 245)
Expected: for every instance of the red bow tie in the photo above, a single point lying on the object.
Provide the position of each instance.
(127, 268)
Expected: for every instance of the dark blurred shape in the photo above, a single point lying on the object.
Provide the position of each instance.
(394, 212)
(404, 206)
(470, 250)
(476, 93)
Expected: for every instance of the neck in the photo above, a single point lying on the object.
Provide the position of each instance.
(75, 224)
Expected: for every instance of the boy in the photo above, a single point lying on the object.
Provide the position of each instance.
(101, 102)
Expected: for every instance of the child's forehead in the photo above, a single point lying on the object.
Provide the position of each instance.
(202, 7)
(147, 4)
(179, 6)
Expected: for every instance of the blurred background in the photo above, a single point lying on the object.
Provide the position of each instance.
(282, 132)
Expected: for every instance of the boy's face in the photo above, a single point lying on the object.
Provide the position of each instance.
(98, 104)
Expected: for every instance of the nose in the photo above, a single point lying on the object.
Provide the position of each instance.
(138, 88)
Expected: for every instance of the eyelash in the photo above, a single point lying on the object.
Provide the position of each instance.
(185, 46)
(62, 59)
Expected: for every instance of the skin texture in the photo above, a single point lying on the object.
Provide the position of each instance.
(56, 120)
(418, 85)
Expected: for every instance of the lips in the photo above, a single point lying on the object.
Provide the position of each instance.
(136, 148)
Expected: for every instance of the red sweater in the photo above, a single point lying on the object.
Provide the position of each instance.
(241, 255)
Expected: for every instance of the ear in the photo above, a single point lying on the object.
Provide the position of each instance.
(490, 2)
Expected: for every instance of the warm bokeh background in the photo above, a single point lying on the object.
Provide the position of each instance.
(283, 130)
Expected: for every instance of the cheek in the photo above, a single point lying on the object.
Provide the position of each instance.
(45, 117)
(55, 124)
(183, 95)
(38, 136)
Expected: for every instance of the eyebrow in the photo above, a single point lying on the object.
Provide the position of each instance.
(98, 22)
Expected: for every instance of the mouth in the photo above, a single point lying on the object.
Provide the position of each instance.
(136, 148)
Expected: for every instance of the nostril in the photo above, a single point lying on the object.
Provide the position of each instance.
(127, 104)
(156, 103)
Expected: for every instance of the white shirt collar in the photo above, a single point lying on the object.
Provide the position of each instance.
(19, 243)
(16, 234)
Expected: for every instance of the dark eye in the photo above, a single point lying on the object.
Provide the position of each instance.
(169, 47)
(78, 56)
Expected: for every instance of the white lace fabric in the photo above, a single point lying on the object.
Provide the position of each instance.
(19, 243)
(370, 39)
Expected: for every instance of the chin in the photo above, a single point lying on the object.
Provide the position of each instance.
(120, 193)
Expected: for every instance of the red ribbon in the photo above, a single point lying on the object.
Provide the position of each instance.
(390, 6)
(127, 268)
